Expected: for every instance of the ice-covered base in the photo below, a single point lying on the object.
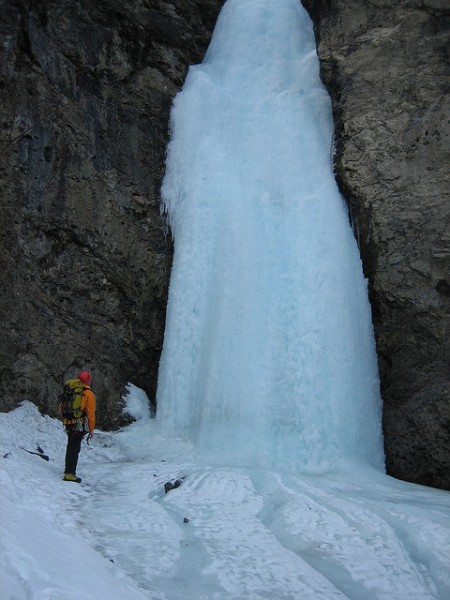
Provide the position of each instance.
(251, 533)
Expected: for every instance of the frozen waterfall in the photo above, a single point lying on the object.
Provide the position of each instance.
(269, 356)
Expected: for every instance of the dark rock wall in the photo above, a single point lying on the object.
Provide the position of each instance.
(85, 93)
(387, 67)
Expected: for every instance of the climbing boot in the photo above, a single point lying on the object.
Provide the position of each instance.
(71, 477)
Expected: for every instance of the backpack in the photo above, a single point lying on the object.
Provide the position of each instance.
(70, 400)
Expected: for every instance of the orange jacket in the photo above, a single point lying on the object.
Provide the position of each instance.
(88, 403)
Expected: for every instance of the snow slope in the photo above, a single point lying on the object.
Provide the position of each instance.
(45, 551)
(251, 533)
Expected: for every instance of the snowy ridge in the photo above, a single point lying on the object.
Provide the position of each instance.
(249, 533)
(269, 355)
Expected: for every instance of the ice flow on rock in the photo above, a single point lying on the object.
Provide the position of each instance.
(269, 355)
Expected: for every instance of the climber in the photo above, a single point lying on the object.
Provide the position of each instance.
(77, 408)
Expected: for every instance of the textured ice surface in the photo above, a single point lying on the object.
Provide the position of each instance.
(268, 356)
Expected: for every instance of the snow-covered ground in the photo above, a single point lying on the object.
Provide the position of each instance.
(224, 534)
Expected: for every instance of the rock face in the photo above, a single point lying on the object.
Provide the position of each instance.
(386, 65)
(85, 94)
(86, 88)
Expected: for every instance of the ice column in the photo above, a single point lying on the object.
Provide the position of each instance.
(269, 355)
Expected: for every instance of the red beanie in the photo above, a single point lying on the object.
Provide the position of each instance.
(85, 377)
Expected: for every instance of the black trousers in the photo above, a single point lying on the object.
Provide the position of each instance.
(74, 439)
